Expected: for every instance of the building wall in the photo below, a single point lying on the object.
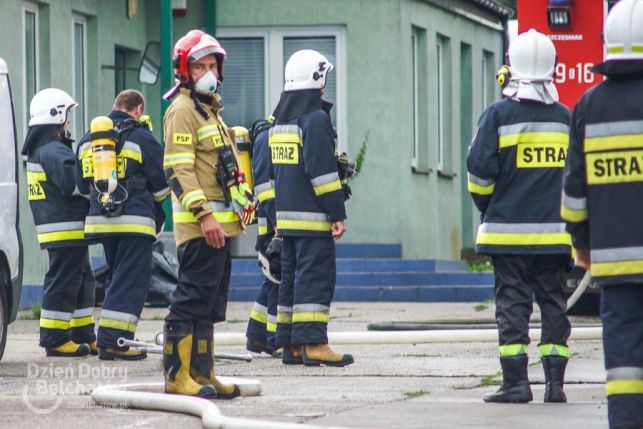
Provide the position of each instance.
(390, 203)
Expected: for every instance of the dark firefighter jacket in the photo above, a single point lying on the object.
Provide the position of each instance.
(515, 167)
(603, 180)
(308, 191)
(140, 171)
(56, 204)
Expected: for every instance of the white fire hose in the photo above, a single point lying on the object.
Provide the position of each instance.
(580, 289)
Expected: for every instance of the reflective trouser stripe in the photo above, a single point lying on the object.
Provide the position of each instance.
(271, 326)
(118, 320)
(259, 313)
(310, 313)
(553, 350)
(52, 319)
(284, 314)
(513, 350)
(79, 322)
(624, 381)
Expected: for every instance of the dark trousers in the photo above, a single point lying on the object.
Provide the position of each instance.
(68, 298)
(622, 316)
(129, 259)
(262, 325)
(201, 295)
(517, 279)
(308, 277)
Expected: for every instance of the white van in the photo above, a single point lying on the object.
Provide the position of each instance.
(10, 242)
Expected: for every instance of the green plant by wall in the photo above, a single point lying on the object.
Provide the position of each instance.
(361, 154)
(480, 267)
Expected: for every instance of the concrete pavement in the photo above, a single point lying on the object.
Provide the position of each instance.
(389, 386)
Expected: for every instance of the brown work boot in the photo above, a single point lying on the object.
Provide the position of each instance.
(202, 363)
(93, 348)
(291, 355)
(322, 354)
(69, 349)
(132, 353)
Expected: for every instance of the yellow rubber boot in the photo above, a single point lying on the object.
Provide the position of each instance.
(202, 363)
(322, 354)
(132, 353)
(291, 355)
(69, 349)
(177, 350)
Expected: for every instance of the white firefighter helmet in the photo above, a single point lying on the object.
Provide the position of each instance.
(532, 57)
(624, 31)
(50, 107)
(306, 69)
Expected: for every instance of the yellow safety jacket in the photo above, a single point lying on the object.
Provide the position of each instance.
(190, 163)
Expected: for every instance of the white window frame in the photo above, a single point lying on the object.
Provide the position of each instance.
(32, 8)
(79, 19)
(416, 130)
(440, 103)
(274, 68)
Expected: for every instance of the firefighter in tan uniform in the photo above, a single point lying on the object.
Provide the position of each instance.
(210, 202)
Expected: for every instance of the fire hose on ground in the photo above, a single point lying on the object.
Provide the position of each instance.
(139, 396)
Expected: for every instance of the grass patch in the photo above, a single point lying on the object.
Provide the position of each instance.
(416, 393)
(232, 321)
(480, 307)
(490, 380)
(480, 267)
(35, 310)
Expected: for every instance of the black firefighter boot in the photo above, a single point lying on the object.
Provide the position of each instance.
(515, 384)
(554, 367)
(177, 351)
(202, 363)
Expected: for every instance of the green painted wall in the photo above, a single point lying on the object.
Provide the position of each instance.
(390, 204)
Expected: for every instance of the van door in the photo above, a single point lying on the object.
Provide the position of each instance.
(10, 243)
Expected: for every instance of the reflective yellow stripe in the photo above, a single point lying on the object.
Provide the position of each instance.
(285, 138)
(207, 131)
(513, 350)
(309, 317)
(171, 159)
(78, 322)
(623, 387)
(327, 187)
(553, 350)
(263, 229)
(221, 217)
(284, 317)
(622, 268)
(120, 227)
(191, 197)
(271, 327)
(132, 154)
(266, 195)
(537, 137)
(259, 317)
(48, 237)
(54, 324)
(524, 239)
(117, 324)
(615, 142)
(573, 215)
(474, 188)
(304, 225)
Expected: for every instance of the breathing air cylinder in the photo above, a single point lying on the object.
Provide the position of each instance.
(104, 156)
(244, 149)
